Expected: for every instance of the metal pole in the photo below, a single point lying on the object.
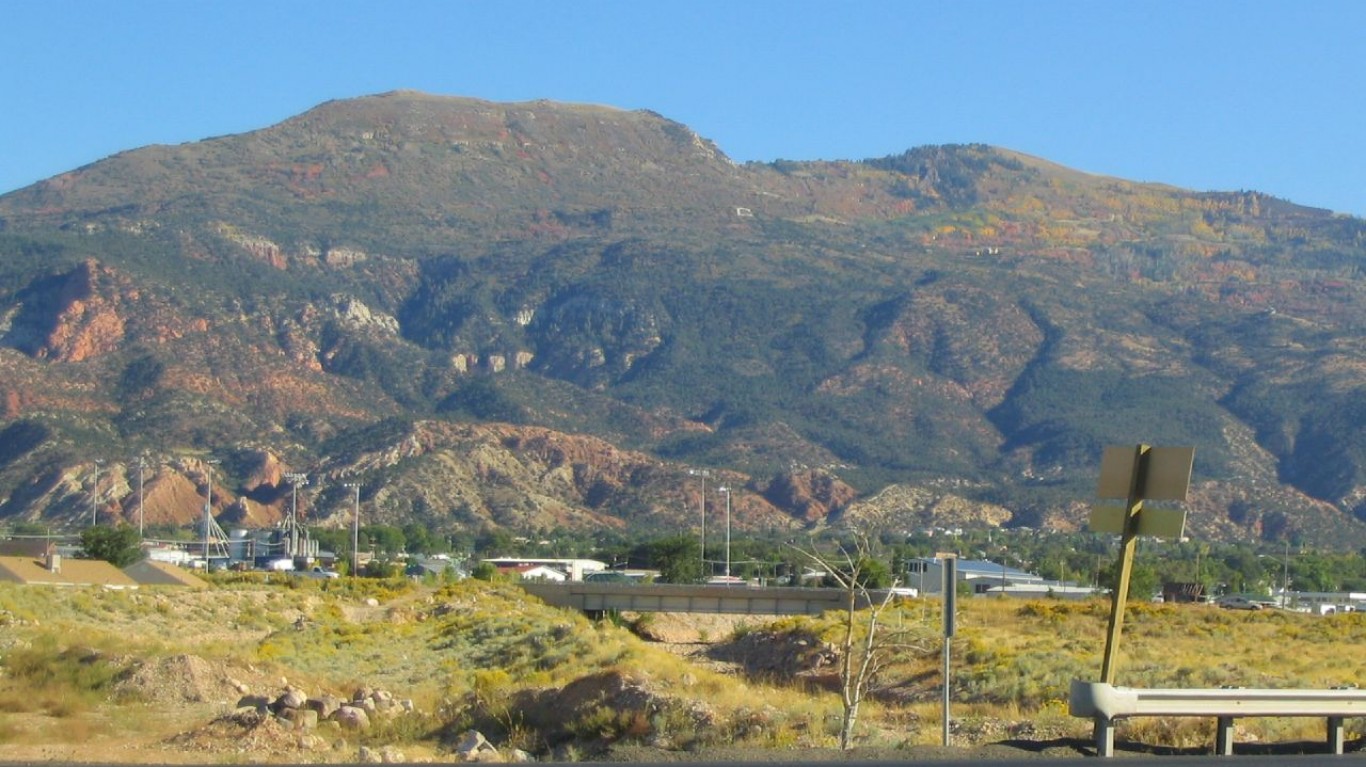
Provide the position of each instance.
(295, 479)
(704, 520)
(95, 494)
(703, 474)
(355, 529)
(949, 594)
(208, 508)
(1285, 576)
(945, 702)
(141, 467)
(727, 534)
(726, 490)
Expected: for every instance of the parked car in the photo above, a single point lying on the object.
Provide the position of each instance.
(1236, 602)
(608, 576)
(318, 572)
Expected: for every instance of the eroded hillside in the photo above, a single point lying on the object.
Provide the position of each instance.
(960, 321)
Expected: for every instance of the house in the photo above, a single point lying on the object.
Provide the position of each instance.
(36, 548)
(55, 570)
(926, 575)
(439, 566)
(149, 572)
(576, 568)
(536, 573)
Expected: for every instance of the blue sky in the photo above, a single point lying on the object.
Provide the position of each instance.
(1202, 94)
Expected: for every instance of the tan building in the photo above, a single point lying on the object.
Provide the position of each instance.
(148, 572)
(54, 570)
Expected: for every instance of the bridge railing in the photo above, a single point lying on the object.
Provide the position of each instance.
(751, 600)
(1105, 703)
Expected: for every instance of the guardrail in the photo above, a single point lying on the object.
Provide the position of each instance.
(1105, 703)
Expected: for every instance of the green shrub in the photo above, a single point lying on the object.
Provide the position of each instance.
(59, 681)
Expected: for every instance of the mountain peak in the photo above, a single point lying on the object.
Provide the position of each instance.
(964, 323)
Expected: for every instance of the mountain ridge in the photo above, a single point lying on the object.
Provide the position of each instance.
(953, 317)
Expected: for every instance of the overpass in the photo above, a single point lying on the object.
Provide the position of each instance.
(677, 598)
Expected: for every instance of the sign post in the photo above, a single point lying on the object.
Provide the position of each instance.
(950, 591)
(1137, 474)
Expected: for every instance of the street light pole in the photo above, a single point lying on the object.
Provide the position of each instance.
(208, 507)
(355, 529)
(142, 463)
(703, 473)
(95, 494)
(726, 490)
(1285, 575)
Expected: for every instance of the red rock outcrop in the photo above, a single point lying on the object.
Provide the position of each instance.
(811, 495)
(86, 322)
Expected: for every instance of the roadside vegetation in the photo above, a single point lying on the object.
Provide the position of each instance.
(478, 655)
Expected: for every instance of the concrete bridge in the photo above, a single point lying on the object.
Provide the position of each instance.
(675, 598)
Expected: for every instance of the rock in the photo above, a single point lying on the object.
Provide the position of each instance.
(325, 705)
(368, 755)
(259, 702)
(293, 698)
(391, 755)
(301, 718)
(474, 747)
(352, 718)
(520, 757)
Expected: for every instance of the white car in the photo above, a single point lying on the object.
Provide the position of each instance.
(1235, 602)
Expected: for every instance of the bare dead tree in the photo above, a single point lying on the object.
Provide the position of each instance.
(868, 648)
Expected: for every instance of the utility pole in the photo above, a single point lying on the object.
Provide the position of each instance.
(703, 474)
(295, 479)
(355, 528)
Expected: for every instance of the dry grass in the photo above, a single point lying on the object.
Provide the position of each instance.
(476, 654)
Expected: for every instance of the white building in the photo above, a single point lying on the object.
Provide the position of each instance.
(575, 568)
(1325, 602)
(537, 573)
(926, 575)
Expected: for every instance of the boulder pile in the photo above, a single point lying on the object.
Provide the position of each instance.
(303, 712)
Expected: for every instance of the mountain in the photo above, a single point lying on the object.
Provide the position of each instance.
(537, 315)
